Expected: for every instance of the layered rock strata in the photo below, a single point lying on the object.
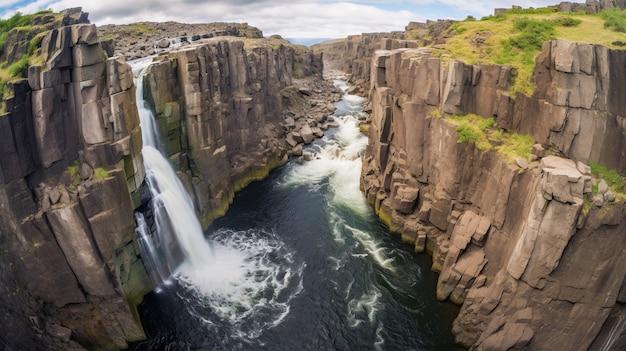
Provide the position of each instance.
(71, 164)
(229, 111)
(72, 172)
(533, 262)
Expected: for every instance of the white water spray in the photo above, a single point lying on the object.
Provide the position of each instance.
(246, 279)
(179, 237)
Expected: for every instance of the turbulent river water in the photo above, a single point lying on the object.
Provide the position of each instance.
(300, 262)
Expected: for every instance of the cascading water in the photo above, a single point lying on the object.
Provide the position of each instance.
(305, 264)
(178, 237)
(245, 279)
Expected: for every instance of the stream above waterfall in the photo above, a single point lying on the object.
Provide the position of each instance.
(300, 261)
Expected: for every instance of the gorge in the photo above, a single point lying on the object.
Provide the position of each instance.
(531, 246)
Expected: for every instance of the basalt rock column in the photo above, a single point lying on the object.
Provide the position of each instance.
(534, 264)
(73, 169)
(223, 107)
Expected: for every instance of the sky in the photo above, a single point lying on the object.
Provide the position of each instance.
(289, 18)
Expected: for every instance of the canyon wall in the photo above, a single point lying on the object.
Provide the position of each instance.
(72, 175)
(353, 55)
(531, 250)
(71, 170)
(225, 107)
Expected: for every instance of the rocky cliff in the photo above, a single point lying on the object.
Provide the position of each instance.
(72, 172)
(231, 110)
(517, 241)
(353, 55)
(71, 163)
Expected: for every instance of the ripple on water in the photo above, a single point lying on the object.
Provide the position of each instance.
(249, 288)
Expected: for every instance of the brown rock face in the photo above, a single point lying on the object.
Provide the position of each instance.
(71, 165)
(534, 265)
(224, 108)
(577, 107)
(72, 169)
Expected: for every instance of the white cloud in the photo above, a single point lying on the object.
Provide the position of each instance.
(289, 18)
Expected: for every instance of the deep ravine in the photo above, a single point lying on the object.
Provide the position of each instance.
(301, 262)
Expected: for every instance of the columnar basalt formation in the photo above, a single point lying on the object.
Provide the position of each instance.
(71, 164)
(225, 108)
(577, 107)
(353, 54)
(534, 265)
(72, 172)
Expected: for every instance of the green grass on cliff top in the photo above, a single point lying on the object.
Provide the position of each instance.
(515, 38)
(485, 133)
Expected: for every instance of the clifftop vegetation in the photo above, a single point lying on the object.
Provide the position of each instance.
(20, 39)
(515, 38)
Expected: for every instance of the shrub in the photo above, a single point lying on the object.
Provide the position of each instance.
(472, 128)
(467, 132)
(533, 11)
(74, 172)
(613, 179)
(458, 28)
(487, 123)
(515, 145)
(567, 21)
(614, 19)
(19, 68)
(533, 33)
(498, 18)
(100, 173)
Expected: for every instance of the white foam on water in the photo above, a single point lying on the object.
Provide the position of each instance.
(339, 163)
(374, 249)
(244, 278)
(251, 284)
(364, 308)
(379, 341)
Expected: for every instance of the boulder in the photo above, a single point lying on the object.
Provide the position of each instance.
(72, 233)
(603, 187)
(163, 43)
(307, 134)
(405, 198)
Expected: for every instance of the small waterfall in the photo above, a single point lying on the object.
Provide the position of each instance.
(178, 235)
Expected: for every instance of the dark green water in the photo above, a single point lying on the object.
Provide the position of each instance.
(301, 263)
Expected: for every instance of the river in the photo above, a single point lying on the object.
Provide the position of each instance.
(300, 262)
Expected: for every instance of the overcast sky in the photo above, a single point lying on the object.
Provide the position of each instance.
(289, 18)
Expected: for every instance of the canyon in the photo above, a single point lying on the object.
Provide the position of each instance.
(73, 174)
(519, 245)
(532, 249)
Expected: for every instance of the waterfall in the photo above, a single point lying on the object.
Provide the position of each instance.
(245, 279)
(177, 236)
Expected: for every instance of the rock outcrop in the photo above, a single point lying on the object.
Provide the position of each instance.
(72, 175)
(231, 110)
(143, 39)
(71, 165)
(534, 263)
